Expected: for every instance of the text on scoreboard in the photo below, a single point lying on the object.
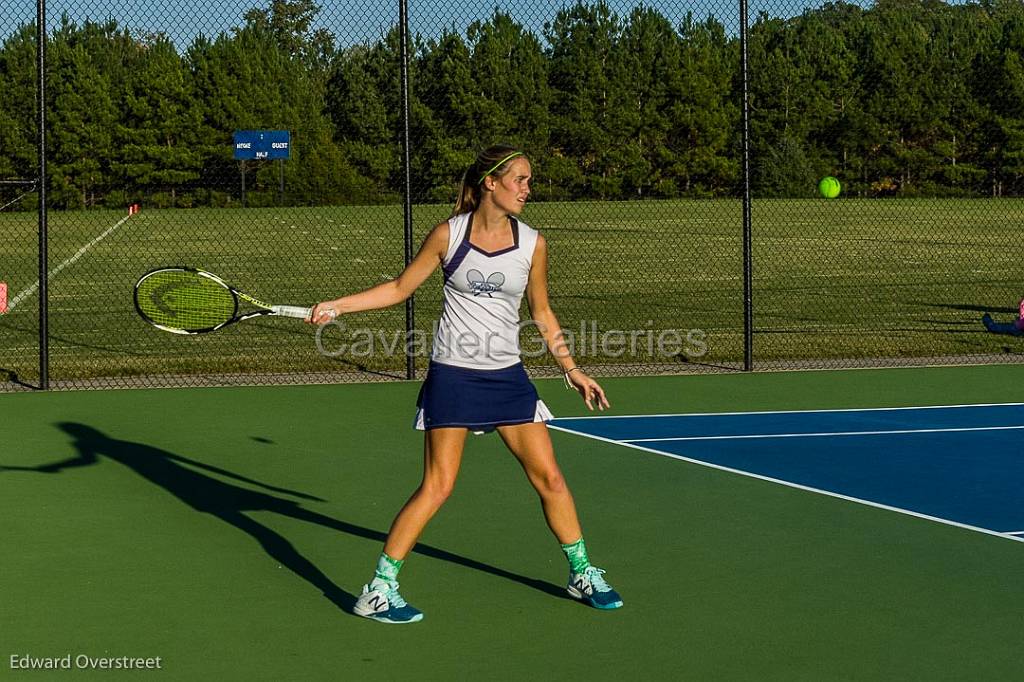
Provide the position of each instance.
(262, 144)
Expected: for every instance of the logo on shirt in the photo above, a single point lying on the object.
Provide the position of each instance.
(481, 287)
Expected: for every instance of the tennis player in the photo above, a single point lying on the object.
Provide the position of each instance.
(1015, 328)
(476, 380)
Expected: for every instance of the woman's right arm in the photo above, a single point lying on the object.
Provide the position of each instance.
(430, 255)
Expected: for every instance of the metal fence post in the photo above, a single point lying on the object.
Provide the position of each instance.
(410, 310)
(748, 282)
(44, 334)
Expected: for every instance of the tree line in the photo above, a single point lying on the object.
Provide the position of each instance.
(907, 97)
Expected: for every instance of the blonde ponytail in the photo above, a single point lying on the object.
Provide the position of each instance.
(491, 161)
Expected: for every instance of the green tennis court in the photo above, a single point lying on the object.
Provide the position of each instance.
(227, 530)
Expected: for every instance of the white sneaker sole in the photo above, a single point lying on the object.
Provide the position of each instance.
(576, 594)
(382, 618)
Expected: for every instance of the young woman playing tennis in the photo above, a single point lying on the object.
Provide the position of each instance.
(476, 381)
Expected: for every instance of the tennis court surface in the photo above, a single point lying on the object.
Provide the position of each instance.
(228, 530)
(958, 464)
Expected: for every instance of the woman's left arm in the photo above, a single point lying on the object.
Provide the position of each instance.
(551, 331)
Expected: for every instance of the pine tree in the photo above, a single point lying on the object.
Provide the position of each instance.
(18, 124)
(705, 113)
(582, 39)
(82, 116)
(158, 138)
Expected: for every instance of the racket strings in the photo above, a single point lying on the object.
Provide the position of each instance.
(185, 300)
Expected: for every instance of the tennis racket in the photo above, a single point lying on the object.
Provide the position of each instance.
(184, 300)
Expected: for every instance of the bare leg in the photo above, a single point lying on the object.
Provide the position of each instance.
(531, 445)
(442, 456)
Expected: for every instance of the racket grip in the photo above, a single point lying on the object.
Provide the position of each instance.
(292, 311)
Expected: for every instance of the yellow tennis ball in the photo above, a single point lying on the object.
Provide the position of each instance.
(829, 187)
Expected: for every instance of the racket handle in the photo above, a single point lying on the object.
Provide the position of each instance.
(292, 311)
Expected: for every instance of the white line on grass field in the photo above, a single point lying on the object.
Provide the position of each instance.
(823, 434)
(790, 484)
(843, 409)
(52, 273)
(18, 198)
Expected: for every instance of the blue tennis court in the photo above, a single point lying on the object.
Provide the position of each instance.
(962, 465)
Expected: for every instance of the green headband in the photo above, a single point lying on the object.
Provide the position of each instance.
(497, 165)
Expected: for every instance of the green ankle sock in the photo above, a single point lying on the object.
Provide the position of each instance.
(576, 553)
(387, 568)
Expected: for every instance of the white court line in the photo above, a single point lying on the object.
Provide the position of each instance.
(843, 409)
(823, 434)
(790, 484)
(18, 198)
(52, 273)
(1015, 532)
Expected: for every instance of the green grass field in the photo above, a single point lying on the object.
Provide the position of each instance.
(840, 282)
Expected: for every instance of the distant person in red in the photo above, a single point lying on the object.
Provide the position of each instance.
(1015, 328)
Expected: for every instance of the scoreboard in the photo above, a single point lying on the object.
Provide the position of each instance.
(262, 144)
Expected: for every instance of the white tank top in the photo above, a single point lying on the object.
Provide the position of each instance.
(479, 325)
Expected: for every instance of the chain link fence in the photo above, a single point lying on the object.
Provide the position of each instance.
(19, 200)
(611, 102)
(909, 105)
(632, 117)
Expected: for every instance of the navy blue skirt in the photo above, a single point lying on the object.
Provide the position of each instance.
(477, 399)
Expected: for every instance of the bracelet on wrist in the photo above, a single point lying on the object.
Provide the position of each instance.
(565, 376)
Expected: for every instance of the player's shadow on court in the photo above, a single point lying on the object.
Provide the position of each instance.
(182, 477)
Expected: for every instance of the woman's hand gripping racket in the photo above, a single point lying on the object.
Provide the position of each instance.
(184, 300)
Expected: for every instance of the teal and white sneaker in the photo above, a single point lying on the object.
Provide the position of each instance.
(591, 588)
(380, 601)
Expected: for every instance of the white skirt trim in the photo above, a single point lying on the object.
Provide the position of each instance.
(541, 414)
